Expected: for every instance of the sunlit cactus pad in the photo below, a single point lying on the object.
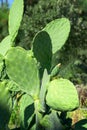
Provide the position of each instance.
(62, 95)
(22, 69)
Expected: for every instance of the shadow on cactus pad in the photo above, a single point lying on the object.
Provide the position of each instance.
(80, 125)
(42, 48)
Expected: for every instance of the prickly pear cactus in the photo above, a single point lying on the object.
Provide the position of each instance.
(62, 95)
(42, 49)
(5, 104)
(58, 31)
(51, 122)
(5, 45)
(26, 111)
(22, 68)
(15, 17)
(50, 40)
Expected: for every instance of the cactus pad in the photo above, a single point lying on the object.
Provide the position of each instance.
(42, 49)
(26, 111)
(5, 104)
(22, 69)
(5, 45)
(15, 17)
(58, 31)
(62, 95)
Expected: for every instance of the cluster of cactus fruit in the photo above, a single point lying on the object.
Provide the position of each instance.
(44, 99)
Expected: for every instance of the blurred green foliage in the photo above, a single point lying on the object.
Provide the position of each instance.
(3, 21)
(74, 54)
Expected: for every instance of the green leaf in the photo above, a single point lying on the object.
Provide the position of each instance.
(26, 111)
(51, 122)
(15, 17)
(5, 45)
(58, 31)
(81, 125)
(42, 49)
(22, 68)
(62, 95)
(5, 104)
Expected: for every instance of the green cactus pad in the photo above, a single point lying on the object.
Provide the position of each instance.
(26, 111)
(42, 49)
(22, 69)
(62, 95)
(5, 104)
(51, 122)
(15, 17)
(58, 31)
(5, 45)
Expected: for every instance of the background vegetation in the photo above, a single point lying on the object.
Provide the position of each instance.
(3, 21)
